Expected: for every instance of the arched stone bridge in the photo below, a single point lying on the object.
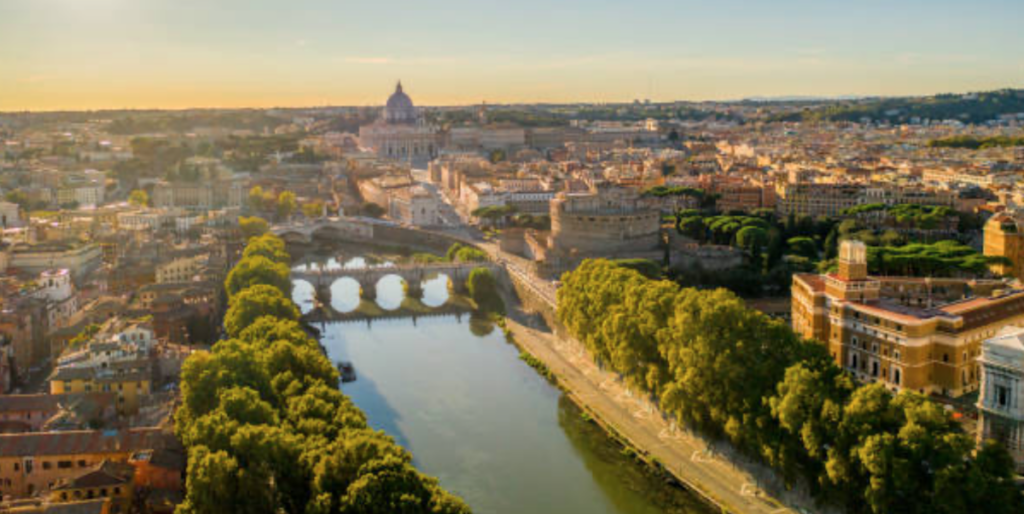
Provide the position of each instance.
(412, 274)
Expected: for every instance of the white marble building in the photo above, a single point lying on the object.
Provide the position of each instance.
(1001, 403)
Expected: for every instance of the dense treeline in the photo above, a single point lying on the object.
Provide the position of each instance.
(734, 373)
(944, 258)
(976, 143)
(184, 122)
(977, 108)
(774, 248)
(266, 427)
(925, 217)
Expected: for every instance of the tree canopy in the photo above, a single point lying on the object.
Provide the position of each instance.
(253, 226)
(139, 198)
(267, 430)
(732, 372)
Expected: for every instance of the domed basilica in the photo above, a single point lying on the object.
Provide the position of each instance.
(401, 133)
(399, 108)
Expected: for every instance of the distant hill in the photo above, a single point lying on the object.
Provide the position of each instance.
(968, 108)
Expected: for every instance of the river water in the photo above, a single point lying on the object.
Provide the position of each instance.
(453, 392)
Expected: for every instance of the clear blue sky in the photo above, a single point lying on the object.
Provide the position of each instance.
(180, 53)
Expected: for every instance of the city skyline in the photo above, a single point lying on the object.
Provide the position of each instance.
(112, 54)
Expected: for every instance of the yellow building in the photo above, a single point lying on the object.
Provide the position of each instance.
(130, 385)
(36, 462)
(109, 480)
(1004, 239)
(921, 334)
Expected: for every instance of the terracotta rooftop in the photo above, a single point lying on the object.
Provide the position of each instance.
(77, 442)
(814, 281)
(104, 474)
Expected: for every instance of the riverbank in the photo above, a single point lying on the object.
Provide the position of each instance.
(636, 421)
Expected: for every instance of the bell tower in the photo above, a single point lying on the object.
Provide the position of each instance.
(853, 261)
(852, 283)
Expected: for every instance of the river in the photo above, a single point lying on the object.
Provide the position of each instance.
(455, 394)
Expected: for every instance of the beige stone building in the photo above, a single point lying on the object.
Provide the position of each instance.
(921, 334)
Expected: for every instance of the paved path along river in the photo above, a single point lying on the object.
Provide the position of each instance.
(684, 454)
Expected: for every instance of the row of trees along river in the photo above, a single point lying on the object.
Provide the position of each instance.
(733, 373)
(266, 427)
(455, 393)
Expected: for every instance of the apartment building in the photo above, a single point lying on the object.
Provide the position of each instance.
(921, 334)
(816, 199)
(33, 463)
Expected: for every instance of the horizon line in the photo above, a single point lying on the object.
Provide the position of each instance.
(754, 98)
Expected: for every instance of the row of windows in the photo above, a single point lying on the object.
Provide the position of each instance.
(874, 348)
(61, 464)
(862, 365)
(89, 494)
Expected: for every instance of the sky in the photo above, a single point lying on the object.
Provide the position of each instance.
(97, 54)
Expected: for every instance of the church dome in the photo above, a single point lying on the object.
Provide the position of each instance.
(399, 108)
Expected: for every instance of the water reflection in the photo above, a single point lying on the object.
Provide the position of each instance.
(435, 291)
(303, 294)
(345, 295)
(390, 292)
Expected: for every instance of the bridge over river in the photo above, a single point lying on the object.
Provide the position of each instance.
(412, 274)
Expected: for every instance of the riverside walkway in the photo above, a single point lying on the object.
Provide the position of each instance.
(687, 456)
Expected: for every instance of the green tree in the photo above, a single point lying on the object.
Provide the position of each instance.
(253, 226)
(313, 209)
(483, 288)
(19, 197)
(268, 246)
(645, 267)
(139, 198)
(803, 246)
(256, 198)
(250, 304)
(256, 270)
(752, 239)
(286, 204)
(693, 227)
(267, 429)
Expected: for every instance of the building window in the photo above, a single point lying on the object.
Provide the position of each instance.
(945, 357)
(1002, 396)
(896, 376)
